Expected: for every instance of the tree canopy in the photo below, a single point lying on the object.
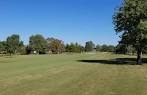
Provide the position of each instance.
(89, 46)
(38, 43)
(55, 45)
(12, 44)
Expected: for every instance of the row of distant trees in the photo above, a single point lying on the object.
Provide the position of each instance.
(40, 45)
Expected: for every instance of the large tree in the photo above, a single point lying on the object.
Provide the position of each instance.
(13, 43)
(131, 19)
(38, 43)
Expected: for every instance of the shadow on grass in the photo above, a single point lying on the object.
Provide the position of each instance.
(117, 61)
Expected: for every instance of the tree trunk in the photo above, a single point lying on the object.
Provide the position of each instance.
(139, 57)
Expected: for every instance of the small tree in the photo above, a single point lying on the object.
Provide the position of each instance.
(89, 46)
(104, 48)
(22, 48)
(98, 48)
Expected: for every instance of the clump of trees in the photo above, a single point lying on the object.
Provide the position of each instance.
(105, 48)
(74, 47)
(131, 20)
(12, 45)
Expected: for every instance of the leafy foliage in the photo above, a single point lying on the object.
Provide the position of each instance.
(13, 44)
(89, 46)
(107, 48)
(55, 46)
(74, 47)
(3, 46)
(38, 43)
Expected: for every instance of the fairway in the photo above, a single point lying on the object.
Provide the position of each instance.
(71, 74)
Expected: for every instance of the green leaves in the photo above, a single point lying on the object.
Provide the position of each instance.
(55, 45)
(38, 43)
(128, 16)
(13, 43)
(89, 46)
(130, 19)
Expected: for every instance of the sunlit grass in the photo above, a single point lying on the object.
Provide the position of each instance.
(65, 75)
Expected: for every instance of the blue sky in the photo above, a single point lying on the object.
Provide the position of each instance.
(69, 20)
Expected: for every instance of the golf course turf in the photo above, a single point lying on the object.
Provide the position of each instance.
(72, 74)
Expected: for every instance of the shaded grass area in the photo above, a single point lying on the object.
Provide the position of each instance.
(64, 75)
(117, 61)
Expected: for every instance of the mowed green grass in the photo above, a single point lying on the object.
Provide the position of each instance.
(65, 75)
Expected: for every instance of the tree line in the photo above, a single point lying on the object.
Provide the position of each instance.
(40, 45)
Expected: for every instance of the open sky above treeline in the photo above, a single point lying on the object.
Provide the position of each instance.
(68, 20)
